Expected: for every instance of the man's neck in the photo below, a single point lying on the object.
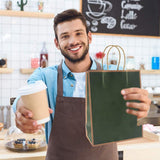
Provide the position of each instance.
(82, 66)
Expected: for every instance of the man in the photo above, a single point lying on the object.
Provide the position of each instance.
(66, 91)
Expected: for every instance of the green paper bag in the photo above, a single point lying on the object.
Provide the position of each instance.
(106, 117)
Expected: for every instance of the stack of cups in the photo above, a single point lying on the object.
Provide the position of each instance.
(34, 97)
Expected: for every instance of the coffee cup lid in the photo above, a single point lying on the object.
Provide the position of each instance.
(32, 88)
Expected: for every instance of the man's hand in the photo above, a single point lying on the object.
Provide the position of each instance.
(24, 119)
(137, 94)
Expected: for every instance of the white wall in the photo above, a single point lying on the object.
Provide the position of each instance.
(22, 37)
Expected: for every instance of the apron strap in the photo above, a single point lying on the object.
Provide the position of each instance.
(60, 78)
(60, 81)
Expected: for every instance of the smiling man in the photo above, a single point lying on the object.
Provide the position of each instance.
(72, 40)
(65, 132)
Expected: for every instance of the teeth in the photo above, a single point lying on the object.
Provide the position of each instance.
(74, 49)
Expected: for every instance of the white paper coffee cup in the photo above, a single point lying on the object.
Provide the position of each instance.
(34, 97)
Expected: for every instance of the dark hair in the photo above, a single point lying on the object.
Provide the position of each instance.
(68, 15)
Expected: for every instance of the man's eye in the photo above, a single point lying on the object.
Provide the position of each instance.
(64, 37)
(79, 33)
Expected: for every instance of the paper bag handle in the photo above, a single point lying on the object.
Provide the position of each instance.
(119, 48)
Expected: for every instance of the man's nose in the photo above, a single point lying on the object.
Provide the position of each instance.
(73, 40)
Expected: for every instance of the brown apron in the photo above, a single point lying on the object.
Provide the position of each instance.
(68, 139)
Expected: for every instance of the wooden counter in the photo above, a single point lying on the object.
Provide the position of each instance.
(135, 149)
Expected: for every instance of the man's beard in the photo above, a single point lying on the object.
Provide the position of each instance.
(78, 59)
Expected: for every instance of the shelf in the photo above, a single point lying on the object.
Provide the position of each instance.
(150, 71)
(155, 98)
(30, 70)
(27, 70)
(26, 14)
(5, 70)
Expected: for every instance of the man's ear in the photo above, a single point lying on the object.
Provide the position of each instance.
(56, 43)
(90, 37)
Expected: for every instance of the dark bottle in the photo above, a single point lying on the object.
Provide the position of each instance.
(44, 56)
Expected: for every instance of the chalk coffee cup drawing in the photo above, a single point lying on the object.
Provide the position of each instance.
(34, 97)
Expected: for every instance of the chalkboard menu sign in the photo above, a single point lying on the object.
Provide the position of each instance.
(133, 17)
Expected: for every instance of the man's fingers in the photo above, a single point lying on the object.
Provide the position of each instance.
(139, 97)
(27, 129)
(133, 91)
(25, 112)
(26, 124)
(50, 110)
(140, 106)
(139, 114)
(24, 119)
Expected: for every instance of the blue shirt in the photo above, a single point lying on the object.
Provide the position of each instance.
(49, 77)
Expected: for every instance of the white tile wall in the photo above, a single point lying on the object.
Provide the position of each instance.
(20, 38)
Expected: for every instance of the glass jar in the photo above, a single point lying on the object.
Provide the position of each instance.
(34, 61)
(130, 63)
(113, 59)
(8, 5)
(40, 5)
(142, 64)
